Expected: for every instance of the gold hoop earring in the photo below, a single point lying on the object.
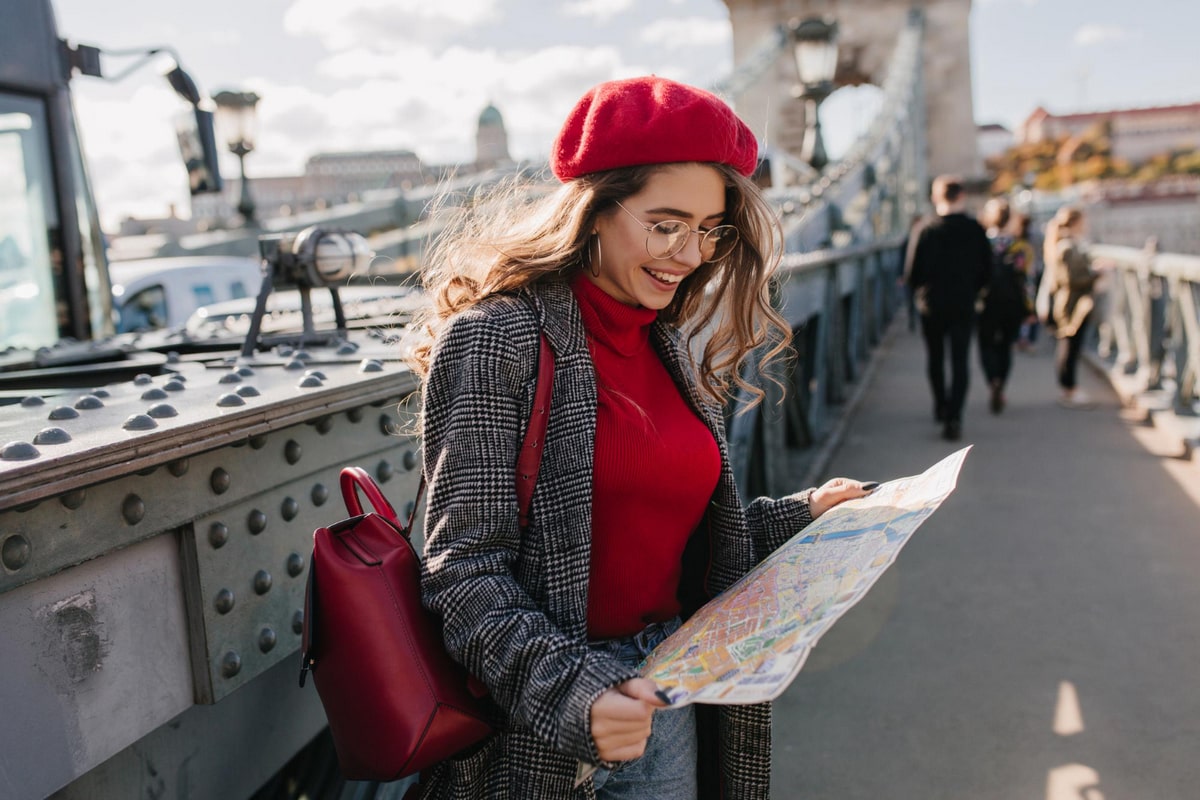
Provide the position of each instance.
(593, 266)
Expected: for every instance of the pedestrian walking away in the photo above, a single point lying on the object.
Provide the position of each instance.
(1068, 285)
(1004, 303)
(948, 262)
(655, 242)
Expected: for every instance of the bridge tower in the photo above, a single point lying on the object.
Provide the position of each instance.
(867, 32)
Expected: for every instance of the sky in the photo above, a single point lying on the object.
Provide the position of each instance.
(411, 74)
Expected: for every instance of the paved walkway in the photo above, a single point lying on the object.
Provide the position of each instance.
(1039, 638)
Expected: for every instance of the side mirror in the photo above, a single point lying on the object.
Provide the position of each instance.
(198, 147)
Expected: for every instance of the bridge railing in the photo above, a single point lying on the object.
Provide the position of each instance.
(1150, 330)
(838, 304)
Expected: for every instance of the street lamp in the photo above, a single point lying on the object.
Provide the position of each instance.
(816, 51)
(236, 118)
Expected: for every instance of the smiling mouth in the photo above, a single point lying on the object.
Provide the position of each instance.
(665, 277)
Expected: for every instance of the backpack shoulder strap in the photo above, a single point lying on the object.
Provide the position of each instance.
(529, 460)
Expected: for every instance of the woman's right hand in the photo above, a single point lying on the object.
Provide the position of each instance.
(621, 719)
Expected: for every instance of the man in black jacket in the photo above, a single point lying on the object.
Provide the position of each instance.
(948, 261)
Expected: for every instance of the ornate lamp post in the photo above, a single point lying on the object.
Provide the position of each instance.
(816, 51)
(236, 118)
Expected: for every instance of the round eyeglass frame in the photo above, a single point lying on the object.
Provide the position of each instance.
(720, 249)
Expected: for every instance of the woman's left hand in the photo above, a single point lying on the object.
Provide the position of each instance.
(835, 491)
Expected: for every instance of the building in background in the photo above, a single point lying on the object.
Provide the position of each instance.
(491, 140)
(1136, 134)
(993, 139)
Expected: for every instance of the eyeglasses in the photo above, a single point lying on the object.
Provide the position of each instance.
(665, 239)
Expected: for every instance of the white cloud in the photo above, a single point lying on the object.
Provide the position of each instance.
(599, 10)
(383, 24)
(687, 32)
(1099, 34)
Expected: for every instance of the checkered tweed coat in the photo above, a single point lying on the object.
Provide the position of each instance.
(514, 602)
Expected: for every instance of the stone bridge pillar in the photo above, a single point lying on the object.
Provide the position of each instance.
(867, 31)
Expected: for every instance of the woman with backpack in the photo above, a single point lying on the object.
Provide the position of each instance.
(647, 271)
(1004, 303)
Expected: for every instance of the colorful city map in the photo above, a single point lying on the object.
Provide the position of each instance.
(747, 645)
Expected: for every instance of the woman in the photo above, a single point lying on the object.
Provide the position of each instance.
(1004, 303)
(655, 236)
(1069, 280)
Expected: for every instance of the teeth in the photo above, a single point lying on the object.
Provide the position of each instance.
(666, 277)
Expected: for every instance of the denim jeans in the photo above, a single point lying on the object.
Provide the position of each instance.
(667, 770)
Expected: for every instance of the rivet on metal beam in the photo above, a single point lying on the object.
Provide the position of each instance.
(15, 552)
(101, 393)
(246, 390)
(173, 357)
(370, 365)
(230, 377)
(154, 394)
(316, 373)
(256, 522)
(177, 376)
(324, 425)
(245, 372)
(298, 622)
(73, 499)
(410, 459)
(162, 411)
(178, 467)
(292, 451)
(174, 385)
(220, 481)
(224, 601)
(133, 509)
(310, 382)
(258, 442)
(230, 400)
(139, 422)
(266, 640)
(262, 582)
(52, 436)
(320, 494)
(89, 402)
(347, 349)
(33, 401)
(303, 355)
(141, 379)
(384, 471)
(218, 535)
(295, 565)
(295, 364)
(355, 414)
(18, 451)
(231, 664)
(289, 509)
(388, 426)
(63, 412)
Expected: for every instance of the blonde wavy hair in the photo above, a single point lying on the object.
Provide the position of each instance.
(517, 236)
(1056, 229)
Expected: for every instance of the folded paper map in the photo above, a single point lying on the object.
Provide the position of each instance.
(746, 645)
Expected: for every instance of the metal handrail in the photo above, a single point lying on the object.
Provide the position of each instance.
(1151, 312)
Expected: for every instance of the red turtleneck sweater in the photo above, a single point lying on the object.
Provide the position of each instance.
(656, 466)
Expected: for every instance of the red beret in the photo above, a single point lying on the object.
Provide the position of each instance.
(650, 121)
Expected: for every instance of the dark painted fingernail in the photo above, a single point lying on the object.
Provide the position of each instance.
(661, 695)
(870, 486)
